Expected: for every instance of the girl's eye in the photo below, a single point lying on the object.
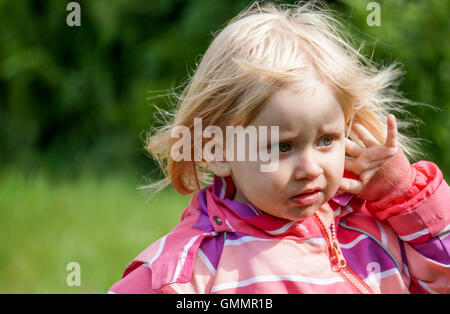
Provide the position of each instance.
(326, 140)
(284, 147)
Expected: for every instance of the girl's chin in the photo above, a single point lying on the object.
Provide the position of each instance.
(301, 213)
(294, 212)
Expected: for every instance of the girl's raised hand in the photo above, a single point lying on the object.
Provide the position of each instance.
(365, 161)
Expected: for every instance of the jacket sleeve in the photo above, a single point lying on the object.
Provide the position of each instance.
(415, 201)
(136, 281)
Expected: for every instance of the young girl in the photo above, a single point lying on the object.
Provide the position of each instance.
(342, 212)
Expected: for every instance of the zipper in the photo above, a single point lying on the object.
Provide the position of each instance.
(338, 262)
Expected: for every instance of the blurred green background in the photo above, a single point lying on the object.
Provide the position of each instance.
(74, 111)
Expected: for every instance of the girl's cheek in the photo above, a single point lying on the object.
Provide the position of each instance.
(339, 157)
(335, 167)
(262, 180)
(278, 179)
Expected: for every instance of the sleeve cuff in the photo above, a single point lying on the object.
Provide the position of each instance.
(393, 179)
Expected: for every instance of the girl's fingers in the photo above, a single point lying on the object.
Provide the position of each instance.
(350, 165)
(379, 152)
(352, 148)
(364, 135)
(358, 166)
(391, 138)
(351, 186)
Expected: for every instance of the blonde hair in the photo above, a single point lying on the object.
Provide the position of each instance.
(264, 48)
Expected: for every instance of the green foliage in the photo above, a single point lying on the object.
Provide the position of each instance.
(75, 97)
(101, 224)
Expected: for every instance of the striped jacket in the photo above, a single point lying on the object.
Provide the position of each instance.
(396, 240)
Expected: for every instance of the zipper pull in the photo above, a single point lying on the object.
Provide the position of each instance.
(338, 258)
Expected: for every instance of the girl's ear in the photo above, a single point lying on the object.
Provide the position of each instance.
(216, 158)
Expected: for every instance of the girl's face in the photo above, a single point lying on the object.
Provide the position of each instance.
(311, 155)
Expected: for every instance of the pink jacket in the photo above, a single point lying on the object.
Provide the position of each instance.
(396, 240)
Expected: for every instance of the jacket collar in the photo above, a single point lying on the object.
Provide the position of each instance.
(220, 213)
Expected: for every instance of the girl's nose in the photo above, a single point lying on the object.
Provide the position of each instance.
(307, 167)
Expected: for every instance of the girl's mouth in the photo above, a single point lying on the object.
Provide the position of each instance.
(306, 199)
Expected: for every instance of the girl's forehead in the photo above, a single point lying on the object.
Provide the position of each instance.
(292, 108)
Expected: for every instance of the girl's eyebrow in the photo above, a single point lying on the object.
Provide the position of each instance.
(292, 136)
(287, 137)
(332, 128)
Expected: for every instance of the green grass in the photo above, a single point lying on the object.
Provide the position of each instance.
(102, 224)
